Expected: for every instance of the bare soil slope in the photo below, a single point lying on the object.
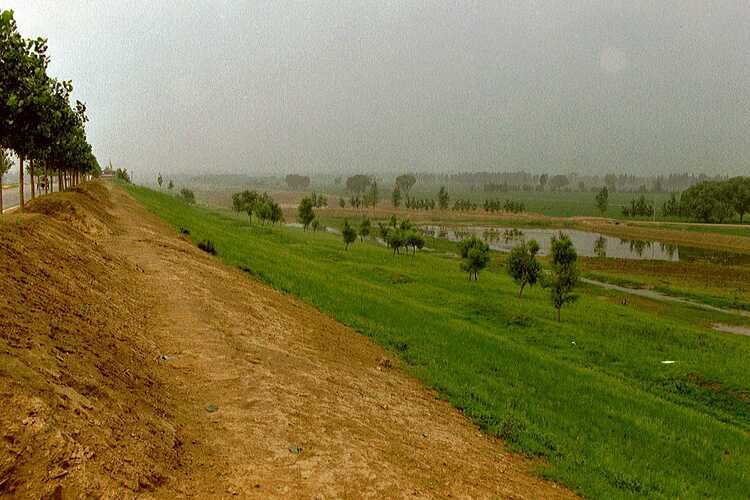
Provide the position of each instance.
(134, 363)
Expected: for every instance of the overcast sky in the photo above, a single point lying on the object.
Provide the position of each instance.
(325, 86)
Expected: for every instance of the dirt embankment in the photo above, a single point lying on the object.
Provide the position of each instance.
(133, 363)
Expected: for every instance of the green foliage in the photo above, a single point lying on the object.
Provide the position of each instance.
(522, 265)
(207, 246)
(564, 272)
(396, 196)
(122, 175)
(708, 201)
(305, 212)
(342, 203)
(170, 185)
(358, 184)
(443, 198)
(37, 120)
(414, 240)
(364, 228)
(297, 182)
(159, 179)
(558, 181)
(5, 162)
(602, 199)
(405, 183)
(639, 207)
(187, 196)
(349, 234)
(395, 239)
(475, 255)
(319, 200)
(316, 224)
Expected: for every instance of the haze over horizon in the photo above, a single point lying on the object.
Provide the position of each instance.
(346, 86)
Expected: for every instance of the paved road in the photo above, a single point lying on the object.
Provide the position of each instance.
(10, 197)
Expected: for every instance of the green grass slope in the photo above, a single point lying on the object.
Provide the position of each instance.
(590, 395)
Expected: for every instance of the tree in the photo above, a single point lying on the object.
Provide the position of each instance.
(610, 180)
(364, 229)
(5, 164)
(522, 264)
(297, 182)
(305, 212)
(394, 237)
(443, 198)
(602, 199)
(475, 254)
(383, 230)
(414, 240)
(187, 195)
(170, 185)
(37, 120)
(374, 196)
(739, 195)
(349, 234)
(543, 180)
(342, 203)
(396, 196)
(405, 183)
(558, 182)
(159, 180)
(709, 201)
(564, 272)
(358, 184)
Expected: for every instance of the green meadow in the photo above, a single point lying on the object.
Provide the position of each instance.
(590, 396)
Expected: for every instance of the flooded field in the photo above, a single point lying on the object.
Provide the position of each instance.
(588, 244)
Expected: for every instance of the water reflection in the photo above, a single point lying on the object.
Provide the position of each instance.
(588, 244)
(600, 247)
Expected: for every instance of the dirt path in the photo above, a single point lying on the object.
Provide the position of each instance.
(305, 406)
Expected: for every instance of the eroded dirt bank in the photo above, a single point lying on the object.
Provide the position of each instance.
(134, 363)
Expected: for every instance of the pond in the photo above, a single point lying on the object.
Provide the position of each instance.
(588, 244)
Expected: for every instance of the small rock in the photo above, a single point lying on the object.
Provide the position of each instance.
(212, 408)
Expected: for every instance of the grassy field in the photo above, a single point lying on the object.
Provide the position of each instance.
(590, 395)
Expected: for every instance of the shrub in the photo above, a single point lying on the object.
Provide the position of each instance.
(207, 246)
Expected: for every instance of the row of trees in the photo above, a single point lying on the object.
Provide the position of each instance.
(716, 201)
(522, 265)
(260, 205)
(37, 121)
(707, 201)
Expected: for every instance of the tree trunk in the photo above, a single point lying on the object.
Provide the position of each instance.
(59, 180)
(1, 194)
(20, 183)
(46, 179)
(31, 175)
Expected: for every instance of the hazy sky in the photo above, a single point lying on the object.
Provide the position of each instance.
(324, 86)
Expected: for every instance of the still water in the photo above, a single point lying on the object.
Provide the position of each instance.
(588, 244)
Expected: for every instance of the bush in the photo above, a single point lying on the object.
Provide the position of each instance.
(207, 246)
(187, 195)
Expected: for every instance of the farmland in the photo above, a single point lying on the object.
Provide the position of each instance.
(590, 396)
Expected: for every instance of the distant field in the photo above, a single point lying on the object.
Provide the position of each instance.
(553, 204)
(590, 395)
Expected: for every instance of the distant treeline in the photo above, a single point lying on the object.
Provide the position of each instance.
(504, 182)
(712, 201)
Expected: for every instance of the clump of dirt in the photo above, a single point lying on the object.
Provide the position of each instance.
(82, 208)
(83, 409)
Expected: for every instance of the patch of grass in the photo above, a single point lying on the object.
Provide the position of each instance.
(590, 395)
